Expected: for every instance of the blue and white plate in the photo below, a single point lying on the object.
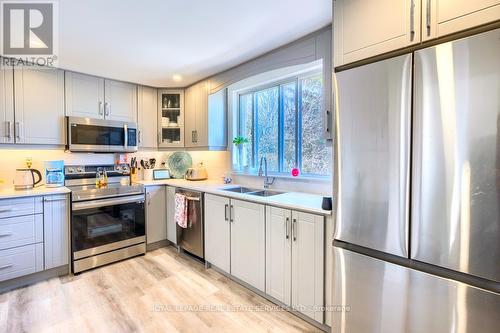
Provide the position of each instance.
(178, 163)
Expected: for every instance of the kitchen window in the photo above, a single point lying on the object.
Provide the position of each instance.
(282, 121)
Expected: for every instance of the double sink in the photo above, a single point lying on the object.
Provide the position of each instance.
(252, 191)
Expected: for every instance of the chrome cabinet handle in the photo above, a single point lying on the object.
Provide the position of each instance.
(106, 109)
(5, 210)
(287, 232)
(139, 136)
(196, 136)
(17, 130)
(53, 200)
(294, 229)
(226, 206)
(428, 17)
(231, 214)
(192, 136)
(100, 108)
(149, 198)
(8, 130)
(412, 20)
(5, 266)
(7, 234)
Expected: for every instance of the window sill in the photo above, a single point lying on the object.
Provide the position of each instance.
(326, 179)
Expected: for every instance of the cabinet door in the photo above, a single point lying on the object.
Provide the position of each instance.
(120, 101)
(201, 131)
(248, 243)
(56, 230)
(171, 118)
(190, 116)
(6, 105)
(147, 116)
(156, 214)
(39, 105)
(366, 28)
(171, 225)
(84, 95)
(443, 17)
(278, 254)
(307, 263)
(217, 232)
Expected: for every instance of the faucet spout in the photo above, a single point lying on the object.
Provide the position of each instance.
(267, 180)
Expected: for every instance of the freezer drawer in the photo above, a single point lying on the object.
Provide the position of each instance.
(374, 152)
(456, 180)
(378, 296)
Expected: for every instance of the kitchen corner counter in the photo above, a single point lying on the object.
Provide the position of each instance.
(9, 193)
(306, 202)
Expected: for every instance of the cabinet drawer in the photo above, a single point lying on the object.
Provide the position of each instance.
(21, 261)
(21, 230)
(20, 206)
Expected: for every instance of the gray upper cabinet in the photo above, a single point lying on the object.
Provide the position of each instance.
(94, 97)
(171, 118)
(205, 118)
(120, 101)
(56, 230)
(39, 106)
(84, 95)
(6, 105)
(147, 120)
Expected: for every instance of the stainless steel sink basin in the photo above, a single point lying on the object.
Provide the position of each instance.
(265, 193)
(239, 189)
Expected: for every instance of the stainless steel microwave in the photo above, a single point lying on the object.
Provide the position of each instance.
(101, 136)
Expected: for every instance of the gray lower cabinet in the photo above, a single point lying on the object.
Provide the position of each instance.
(171, 225)
(235, 238)
(294, 260)
(56, 230)
(156, 214)
(217, 232)
(34, 235)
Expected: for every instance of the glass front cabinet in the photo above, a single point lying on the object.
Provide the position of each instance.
(170, 118)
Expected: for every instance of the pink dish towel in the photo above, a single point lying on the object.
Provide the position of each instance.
(181, 208)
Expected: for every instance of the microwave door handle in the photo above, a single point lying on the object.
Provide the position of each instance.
(125, 135)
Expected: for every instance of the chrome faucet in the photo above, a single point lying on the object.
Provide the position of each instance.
(268, 181)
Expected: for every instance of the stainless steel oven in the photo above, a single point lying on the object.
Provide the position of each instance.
(107, 222)
(100, 135)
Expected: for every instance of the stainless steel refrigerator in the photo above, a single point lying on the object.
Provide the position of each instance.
(417, 234)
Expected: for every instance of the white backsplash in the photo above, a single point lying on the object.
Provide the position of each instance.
(217, 164)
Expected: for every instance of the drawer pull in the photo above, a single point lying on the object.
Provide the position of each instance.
(6, 266)
(5, 210)
(6, 235)
(54, 200)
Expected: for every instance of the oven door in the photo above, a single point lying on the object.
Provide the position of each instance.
(99, 226)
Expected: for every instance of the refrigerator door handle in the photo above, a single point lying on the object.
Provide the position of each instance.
(337, 152)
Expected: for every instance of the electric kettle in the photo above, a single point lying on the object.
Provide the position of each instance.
(25, 179)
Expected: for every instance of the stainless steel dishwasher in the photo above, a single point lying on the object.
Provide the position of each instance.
(192, 238)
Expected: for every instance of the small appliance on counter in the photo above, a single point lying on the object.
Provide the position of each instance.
(54, 173)
(197, 173)
(25, 179)
(160, 174)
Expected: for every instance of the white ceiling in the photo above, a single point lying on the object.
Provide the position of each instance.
(150, 41)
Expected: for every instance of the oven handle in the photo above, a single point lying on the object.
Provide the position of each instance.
(107, 202)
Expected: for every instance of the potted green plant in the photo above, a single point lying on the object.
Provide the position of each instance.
(240, 142)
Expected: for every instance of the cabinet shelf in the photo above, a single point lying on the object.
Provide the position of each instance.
(171, 109)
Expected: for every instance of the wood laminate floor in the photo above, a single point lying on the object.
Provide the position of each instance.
(162, 291)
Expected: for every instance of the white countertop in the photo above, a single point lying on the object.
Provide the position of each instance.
(290, 200)
(8, 193)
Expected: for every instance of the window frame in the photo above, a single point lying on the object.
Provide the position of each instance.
(297, 81)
